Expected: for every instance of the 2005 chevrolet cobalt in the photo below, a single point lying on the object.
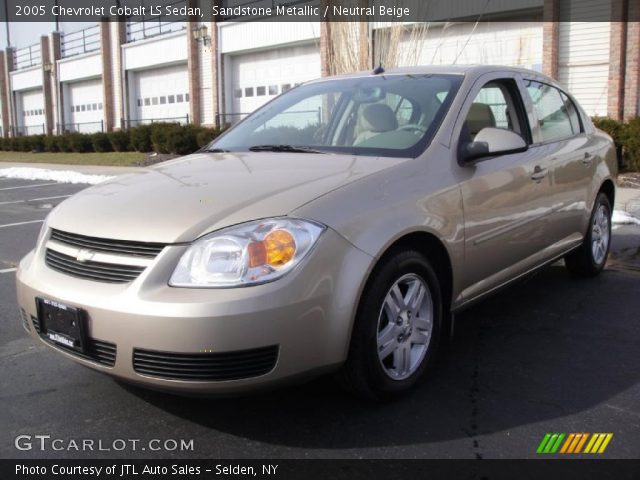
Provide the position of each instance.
(337, 228)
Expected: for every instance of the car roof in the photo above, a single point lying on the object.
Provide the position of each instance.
(465, 70)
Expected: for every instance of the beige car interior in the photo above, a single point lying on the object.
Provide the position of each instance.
(376, 118)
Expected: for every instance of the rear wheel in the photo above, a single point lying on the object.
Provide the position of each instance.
(591, 257)
(397, 328)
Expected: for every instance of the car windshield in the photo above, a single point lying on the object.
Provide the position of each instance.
(384, 115)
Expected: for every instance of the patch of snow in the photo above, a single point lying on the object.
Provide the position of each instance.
(60, 176)
(621, 217)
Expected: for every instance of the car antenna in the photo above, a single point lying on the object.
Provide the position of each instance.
(378, 70)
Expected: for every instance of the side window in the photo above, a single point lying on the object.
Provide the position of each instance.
(497, 104)
(557, 115)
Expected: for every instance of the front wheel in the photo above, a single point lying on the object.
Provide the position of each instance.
(590, 258)
(397, 328)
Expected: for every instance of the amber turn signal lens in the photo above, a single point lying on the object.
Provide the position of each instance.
(277, 249)
(280, 246)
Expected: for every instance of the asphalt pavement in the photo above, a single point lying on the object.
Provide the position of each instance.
(550, 354)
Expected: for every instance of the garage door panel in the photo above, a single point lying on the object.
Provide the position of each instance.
(162, 93)
(85, 106)
(259, 76)
(32, 111)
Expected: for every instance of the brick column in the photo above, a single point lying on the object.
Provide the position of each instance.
(47, 70)
(4, 95)
(7, 92)
(107, 77)
(119, 39)
(617, 54)
(193, 67)
(325, 43)
(632, 68)
(215, 73)
(550, 37)
(57, 99)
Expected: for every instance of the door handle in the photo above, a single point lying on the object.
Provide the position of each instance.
(587, 159)
(539, 173)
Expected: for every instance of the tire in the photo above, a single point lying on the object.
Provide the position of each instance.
(387, 359)
(590, 258)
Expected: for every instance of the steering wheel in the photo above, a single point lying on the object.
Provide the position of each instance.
(414, 127)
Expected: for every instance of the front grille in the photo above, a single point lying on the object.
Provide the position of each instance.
(100, 272)
(25, 320)
(206, 366)
(36, 324)
(116, 247)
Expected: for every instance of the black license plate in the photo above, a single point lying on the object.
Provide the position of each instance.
(61, 324)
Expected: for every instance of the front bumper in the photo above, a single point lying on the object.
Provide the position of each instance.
(307, 314)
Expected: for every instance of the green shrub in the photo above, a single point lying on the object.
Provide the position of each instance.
(100, 142)
(36, 143)
(140, 138)
(80, 142)
(51, 143)
(206, 136)
(120, 141)
(160, 135)
(613, 127)
(63, 143)
(630, 138)
(182, 140)
(22, 144)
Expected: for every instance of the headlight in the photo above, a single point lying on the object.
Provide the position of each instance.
(247, 254)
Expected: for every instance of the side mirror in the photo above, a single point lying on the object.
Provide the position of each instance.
(491, 142)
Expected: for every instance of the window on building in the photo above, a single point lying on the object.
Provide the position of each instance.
(139, 102)
(147, 102)
(154, 101)
(286, 87)
(186, 97)
(179, 98)
(172, 99)
(237, 93)
(261, 91)
(273, 89)
(163, 99)
(84, 108)
(95, 106)
(100, 106)
(248, 92)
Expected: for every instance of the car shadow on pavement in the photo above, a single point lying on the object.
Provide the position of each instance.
(544, 349)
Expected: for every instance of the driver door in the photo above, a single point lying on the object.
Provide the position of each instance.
(505, 197)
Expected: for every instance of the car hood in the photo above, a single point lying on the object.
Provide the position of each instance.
(179, 200)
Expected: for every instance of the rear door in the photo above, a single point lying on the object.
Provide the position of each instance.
(506, 197)
(559, 133)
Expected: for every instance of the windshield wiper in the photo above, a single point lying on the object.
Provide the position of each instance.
(283, 148)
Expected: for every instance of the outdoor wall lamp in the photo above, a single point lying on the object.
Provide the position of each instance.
(200, 34)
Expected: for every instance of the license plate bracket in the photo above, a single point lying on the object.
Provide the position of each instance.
(61, 324)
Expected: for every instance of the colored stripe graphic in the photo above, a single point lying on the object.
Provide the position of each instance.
(573, 443)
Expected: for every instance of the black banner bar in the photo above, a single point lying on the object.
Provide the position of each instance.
(543, 469)
(383, 11)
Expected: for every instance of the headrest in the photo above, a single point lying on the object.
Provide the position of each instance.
(480, 116)
(379, 118)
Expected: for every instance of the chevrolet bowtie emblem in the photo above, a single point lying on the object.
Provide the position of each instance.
(84, 255)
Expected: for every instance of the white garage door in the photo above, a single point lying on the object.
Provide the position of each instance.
(258, 77)
(31, 104)
(583, 56)
(162, 94)
(85, 106)
(492, 43)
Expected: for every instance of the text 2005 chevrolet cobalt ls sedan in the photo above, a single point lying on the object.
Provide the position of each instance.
(335, 229)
